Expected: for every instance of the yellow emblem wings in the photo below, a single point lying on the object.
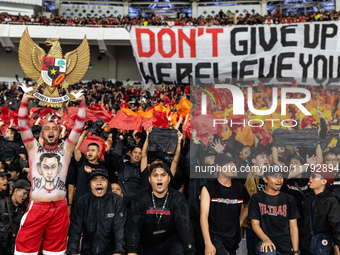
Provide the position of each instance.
(30, 56)
(78, 62)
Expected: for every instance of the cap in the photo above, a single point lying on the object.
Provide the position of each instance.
(224, 158)
(302, 161)
(208, 152)
(2, 174)
(328, 173)
(23, 184)
(97, 172)
(273, 169)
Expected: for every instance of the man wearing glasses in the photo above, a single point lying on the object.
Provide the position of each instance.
(320, 228)
(331, 160)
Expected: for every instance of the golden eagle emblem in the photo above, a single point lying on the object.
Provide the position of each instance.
(52, 70)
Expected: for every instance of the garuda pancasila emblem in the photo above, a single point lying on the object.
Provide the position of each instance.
(53, 70)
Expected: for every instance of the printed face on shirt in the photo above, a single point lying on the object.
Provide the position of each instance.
(159, 180)
(136, 155)
(99, 185)
(49, 166)
(274, 181)
(50, 133)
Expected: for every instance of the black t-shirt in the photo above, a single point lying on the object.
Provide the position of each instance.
(84, 169)
(295, 187)
(274, 213)
(225, 208)
(261, 186)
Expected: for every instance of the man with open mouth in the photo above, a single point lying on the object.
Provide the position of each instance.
(274, 216)
(47, 213)
(100, 215)
(160, 218)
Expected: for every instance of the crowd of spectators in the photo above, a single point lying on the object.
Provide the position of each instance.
(221, 19)
(135, 128)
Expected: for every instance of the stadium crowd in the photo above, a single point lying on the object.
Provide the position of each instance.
(138, 150)
(220, 19)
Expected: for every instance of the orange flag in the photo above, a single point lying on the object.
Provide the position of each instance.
(183, 106)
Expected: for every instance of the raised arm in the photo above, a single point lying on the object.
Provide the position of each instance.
(72, 140)
(77, 153)
(144, 159)
(175, 161)
(25, 131)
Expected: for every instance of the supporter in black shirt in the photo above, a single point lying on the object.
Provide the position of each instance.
(8, 144)
(160, 218)
(320, 216)
(85, 166)
(297, 187)
(259, 21)
(100, 215)
(221, 202)
(273, 217)
(131, 177)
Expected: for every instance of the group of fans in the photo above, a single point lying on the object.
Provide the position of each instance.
(217, 19)
(129, 182)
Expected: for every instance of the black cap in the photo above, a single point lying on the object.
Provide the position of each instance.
(224, 158)
(2, 174)
(99, 171)
(209, 152)
(22, 184)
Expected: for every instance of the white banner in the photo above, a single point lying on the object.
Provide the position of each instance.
(306, 52)
(51, 100)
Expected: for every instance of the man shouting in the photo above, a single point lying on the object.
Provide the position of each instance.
(47, 213)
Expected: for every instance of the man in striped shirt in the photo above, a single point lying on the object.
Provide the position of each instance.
(47, 212)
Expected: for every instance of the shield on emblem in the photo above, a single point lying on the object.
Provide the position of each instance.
(53, 71)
